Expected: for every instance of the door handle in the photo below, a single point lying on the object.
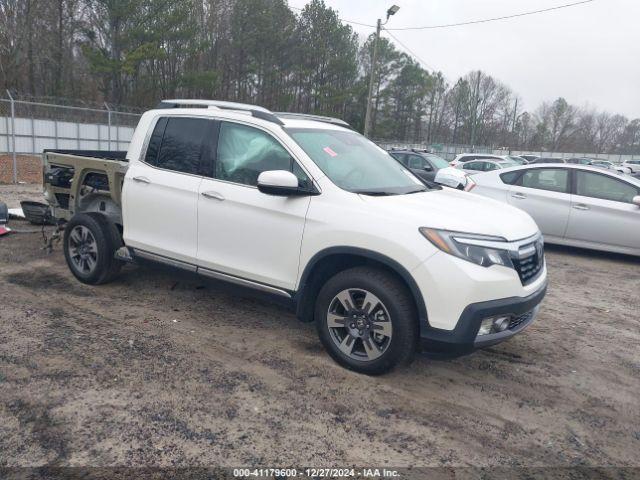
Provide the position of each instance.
(519, 195)
(141, 180)
(581, 206)
(213, 195)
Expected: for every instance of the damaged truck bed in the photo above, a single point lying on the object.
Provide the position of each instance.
(84, 181)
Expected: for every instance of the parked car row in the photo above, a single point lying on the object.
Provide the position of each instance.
(583, 202)
(629, 167)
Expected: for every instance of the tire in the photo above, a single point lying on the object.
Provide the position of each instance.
(384, 331)
(90, 241)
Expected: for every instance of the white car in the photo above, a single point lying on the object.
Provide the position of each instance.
(574, 205)
(306, 210)
(468, 157)
(610, 166)
(476, 166)
(633, 165)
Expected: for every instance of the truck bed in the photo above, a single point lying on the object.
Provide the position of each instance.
(120, 155)
(83, 181)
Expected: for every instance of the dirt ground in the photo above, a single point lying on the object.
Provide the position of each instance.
(158, 369)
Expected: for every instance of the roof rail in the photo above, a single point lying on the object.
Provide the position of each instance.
(317, 118)
(256, 111)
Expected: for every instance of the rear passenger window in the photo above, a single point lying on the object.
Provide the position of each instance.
(552, 179)
(604, 187)
(183, 144)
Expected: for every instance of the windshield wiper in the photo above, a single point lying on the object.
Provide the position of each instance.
(416, 191)
(374, 193)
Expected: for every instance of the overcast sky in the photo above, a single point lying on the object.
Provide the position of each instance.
(588, 54)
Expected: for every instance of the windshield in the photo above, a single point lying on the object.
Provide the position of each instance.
(354, 163)
(438, 161)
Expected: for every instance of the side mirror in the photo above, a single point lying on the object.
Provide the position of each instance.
(636, 200)
(452, 177)
(281, 183)
(428, 168)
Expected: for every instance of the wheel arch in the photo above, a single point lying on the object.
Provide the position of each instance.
(326, 263)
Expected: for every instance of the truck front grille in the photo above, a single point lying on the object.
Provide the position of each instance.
(529, 261)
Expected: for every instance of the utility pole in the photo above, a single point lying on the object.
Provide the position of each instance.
(476, 100)
(368, 118)
(513, 128)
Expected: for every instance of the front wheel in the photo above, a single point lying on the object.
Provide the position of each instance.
(366, 319)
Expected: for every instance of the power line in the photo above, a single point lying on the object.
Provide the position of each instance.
(494, 19)
(342, 19)
(470, 22)
(413, 54)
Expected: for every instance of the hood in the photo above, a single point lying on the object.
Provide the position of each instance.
(457, 211)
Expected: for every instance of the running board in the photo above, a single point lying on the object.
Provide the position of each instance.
(205, 272)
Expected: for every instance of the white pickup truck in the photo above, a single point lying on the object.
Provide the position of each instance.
(305, 209)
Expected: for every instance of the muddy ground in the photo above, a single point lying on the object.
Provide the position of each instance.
(158, 369)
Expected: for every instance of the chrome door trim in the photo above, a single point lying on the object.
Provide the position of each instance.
(165, 260)
(242, 282)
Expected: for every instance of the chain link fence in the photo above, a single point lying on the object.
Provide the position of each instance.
(29, 126)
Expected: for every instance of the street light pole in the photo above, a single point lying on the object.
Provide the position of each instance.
(477, 101)
(368, 118)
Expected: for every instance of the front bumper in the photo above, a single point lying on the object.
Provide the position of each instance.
(464, 338)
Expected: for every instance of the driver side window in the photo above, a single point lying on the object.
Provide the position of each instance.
(416, 162)
(245, 152)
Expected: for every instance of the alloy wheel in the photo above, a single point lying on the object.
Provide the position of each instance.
(359, 324)
(83, 249)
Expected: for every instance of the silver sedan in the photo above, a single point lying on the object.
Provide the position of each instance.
(573, 205)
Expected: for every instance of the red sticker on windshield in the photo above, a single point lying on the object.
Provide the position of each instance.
(330, 152)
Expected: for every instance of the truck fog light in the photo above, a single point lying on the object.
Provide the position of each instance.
(486, 326)
(494, 325)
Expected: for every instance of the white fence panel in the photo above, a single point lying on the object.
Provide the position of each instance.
(34, 135)
(44, 128)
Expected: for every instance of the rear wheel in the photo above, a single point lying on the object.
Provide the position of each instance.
(366, 319)
(90, 241)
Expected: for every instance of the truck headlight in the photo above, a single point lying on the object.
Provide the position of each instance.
(482, 250)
